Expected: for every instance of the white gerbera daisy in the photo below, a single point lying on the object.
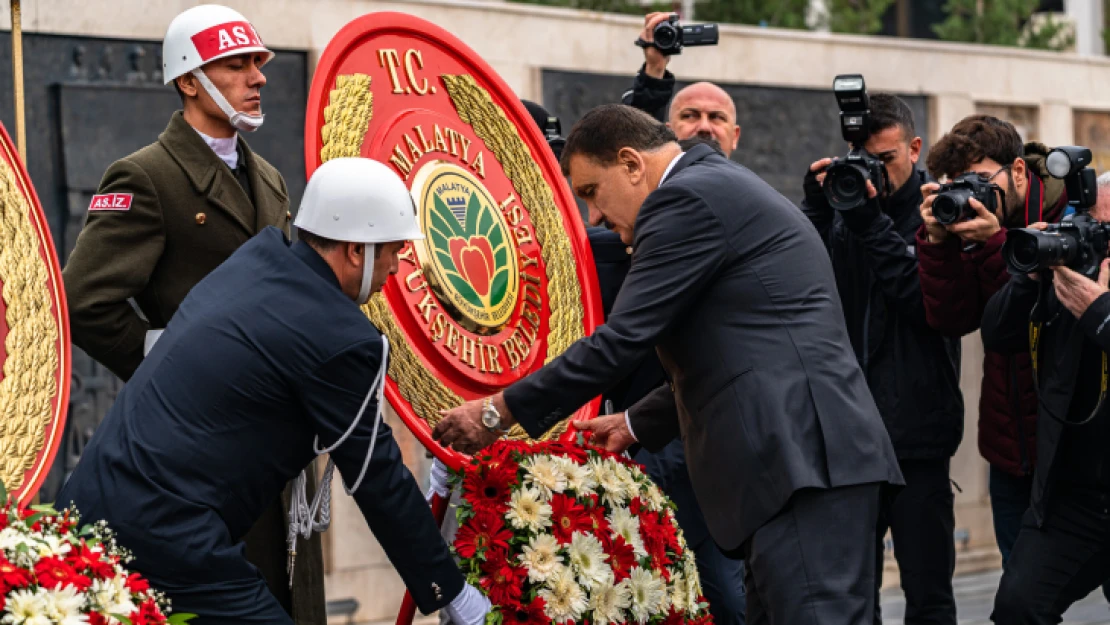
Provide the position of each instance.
(545, 475)
(26, 607)
(541, 557)
(565, 600)
(63, 606)
(648, 594)
(580, 478)
(623, 524)
(615, 481)
(50, 546)
(655, 499)
(608, 601)
(587, 559)
(679, 597)
(528, 510)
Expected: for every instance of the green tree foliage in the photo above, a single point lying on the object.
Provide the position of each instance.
(1002, 22)
(859, 17)
(781, 14)
(610, 6)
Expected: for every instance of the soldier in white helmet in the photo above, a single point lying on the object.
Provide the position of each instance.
(167, 215)
(269, 362)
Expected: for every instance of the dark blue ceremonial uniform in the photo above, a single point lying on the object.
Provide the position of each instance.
(722, 578)
(263, 355)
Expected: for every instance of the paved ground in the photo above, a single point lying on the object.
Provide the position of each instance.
(975, 597)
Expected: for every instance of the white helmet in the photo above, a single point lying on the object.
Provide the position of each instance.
(358, 200)
(203, 34)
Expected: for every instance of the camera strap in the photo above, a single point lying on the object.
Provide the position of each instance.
(1034, 200)
(1035, 331)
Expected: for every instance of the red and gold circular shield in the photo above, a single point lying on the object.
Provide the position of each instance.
(34, 334)
(504, 280)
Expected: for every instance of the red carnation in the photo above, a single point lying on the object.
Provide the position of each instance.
(490, 487)
(622, 557)
(502, 581)
(54, 573)
(83, 559)
(636, 506)
(147, 614)
(528, 614)
(567, 517)
(12, 576)
(654, 533)
(96, 618)
(674, 617)
(136, 584)
(484, 532)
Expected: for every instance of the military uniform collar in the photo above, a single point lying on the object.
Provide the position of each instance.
(315, 262)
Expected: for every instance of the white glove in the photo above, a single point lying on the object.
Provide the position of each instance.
(470, 607)
(439, 477)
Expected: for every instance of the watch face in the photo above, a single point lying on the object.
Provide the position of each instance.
(489, 418)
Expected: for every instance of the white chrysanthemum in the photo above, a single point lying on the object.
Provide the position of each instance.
(679, 596)
(528, 510)
(564, 599)
(541, 557)
(608, 602)
(580, 478)
(50, 546)
(587, 558)
(654, 499)
(615, 480)
(26, 607)
(63, 606)
(112, 595)
(649, 594)
(545, 475)
(623, 524)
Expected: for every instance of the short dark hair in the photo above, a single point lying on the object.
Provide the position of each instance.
(696, 140)
(316, 242)
(972, 139)
(888, 111)
(603, 131)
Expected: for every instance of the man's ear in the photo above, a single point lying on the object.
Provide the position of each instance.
(632, 163)
(187, 83)
(1018, 169)
(915, 149)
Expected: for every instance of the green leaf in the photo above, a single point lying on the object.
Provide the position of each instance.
(487, 221)
(464, 289)
(444, 219)
(446, 261)
(3, 491)
(499, 286)
(501, 256)
(473, 214)
(496, 236)
(31, 520)
(46, 508)
(179, 618)
(87, 530)
(121, 618)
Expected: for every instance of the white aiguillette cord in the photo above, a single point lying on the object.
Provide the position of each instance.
(303, 516)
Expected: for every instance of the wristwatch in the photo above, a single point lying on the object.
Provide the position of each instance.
(491, 417)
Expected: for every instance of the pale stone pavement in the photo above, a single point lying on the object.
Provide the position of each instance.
(975, 598)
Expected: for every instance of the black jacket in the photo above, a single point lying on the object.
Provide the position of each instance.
(1068, 373)
(913, 371)
(265, 354)
(766, 394)
(650, 95)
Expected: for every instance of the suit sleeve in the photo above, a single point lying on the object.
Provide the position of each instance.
(1095, 322)
(680, 246)
(1005, 326)
(388, 497)
(892, 261)
(654, 419)
(650, 95)
(112, 261)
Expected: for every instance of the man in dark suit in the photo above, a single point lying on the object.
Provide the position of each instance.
(268, 361)
(785, 447)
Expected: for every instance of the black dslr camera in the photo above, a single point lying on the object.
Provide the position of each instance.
(553, 133)
(1078, 242)
(846, 179)
(671, 37)
(952, 203)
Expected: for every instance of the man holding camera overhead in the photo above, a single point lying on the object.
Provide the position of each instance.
(1003, 184)
(1056, 308)
(865, 206)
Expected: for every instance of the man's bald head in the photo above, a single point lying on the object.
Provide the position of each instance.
(703, 109)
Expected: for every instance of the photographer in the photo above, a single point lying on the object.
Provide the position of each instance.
(962, 267)
(699, 110)
(912, 371)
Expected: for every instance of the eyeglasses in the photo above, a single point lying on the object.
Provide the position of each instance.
(986, 178)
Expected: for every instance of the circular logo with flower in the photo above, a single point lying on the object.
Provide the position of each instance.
(468, 246)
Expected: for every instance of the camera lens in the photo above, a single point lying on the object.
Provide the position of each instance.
(950, 206)
(665, 35)
(1028, 251)
(846, 186)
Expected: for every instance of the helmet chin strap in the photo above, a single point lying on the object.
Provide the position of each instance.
(243, 122)
(367, 275)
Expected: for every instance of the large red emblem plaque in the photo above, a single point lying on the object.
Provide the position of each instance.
(34, 334)
(504, 280)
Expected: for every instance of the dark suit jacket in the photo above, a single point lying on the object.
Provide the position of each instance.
(732, 286)
(263, 355)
